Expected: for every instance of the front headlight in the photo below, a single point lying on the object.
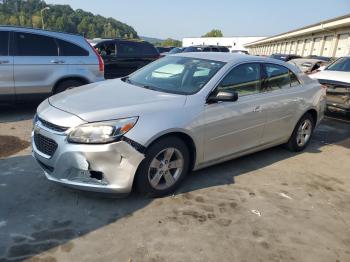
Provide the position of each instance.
(101, 132)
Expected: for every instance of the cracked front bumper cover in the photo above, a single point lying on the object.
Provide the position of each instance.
(73, 165)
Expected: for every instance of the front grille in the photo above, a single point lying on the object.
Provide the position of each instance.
(53, 126)
(45, 145)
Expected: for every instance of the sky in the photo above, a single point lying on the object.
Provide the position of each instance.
(193, 18)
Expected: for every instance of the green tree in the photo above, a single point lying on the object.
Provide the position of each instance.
(62, 18)
(171, 42)
(214, 33)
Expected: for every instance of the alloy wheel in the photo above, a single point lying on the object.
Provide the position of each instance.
(165, 168)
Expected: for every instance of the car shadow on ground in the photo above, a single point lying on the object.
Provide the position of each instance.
(15, 112)
(36, 215)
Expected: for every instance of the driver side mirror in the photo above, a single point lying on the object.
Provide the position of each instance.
(223, 96)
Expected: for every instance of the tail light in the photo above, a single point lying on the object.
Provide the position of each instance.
(101, 64)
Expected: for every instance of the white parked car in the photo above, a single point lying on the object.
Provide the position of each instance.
(336, 77)
(180, 113)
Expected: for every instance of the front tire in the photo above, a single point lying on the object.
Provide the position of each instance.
(166, 164)
(302, 134)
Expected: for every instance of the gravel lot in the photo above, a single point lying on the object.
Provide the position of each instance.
(270, 206)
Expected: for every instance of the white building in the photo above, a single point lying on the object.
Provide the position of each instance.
(329, 38)
(233, 43)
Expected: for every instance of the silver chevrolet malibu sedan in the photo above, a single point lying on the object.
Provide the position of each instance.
(181, 113)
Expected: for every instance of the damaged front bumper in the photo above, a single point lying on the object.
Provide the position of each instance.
(108, 168)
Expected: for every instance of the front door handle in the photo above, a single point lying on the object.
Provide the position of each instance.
(4, 61)
(257, 109)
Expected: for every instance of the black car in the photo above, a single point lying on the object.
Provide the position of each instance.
(123, 57)
(162, 49)
(206, 48)
(284, 57)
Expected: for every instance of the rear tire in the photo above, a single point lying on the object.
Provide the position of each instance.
(302, 134)
(67, 84)
(166, 164)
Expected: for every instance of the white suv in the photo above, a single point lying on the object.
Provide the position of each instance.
(37, 63)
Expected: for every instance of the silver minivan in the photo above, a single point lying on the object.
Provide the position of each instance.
(37, 63)
(180, 113)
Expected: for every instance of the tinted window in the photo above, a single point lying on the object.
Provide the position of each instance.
(69, 49)
(193, 49)
(150, 50)
(4, 43)
(224, 49)
(244, 79)
(106, 49)
(278, 77)
(215, 49)
(342, 64)
(128, 49)
(35, 45)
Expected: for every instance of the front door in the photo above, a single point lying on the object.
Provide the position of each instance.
(235, 127)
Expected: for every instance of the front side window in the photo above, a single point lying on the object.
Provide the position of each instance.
(107, 49)
(244, 79)
(178, 75)
(342, 64)
(278, 77)
(35, 45)
(4, 43)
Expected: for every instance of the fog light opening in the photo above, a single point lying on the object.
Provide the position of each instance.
(96, 175)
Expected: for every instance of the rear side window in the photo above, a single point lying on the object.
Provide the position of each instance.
(278, 77)
(149, 50)
(4, 43)
(244, 79)
(69, 49)
(128, 49)
(35, 45)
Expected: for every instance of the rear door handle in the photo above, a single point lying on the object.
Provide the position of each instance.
(257, 109)
(4, 61)
(56, 61)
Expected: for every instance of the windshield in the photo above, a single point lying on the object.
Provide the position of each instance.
(175, 74)
(342, 64)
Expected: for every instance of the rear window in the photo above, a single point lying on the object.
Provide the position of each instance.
(35, 45)
(69, 49)
(150, 50)
(128, 49)
(4, 43)
(342, 64)
(193, 49)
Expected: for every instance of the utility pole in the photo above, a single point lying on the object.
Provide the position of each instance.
(42, 16)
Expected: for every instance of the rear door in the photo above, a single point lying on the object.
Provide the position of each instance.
(7, 90)
(281, 90)
(37, 65)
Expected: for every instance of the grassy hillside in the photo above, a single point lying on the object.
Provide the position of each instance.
(62, 18)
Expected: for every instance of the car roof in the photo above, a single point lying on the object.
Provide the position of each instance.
(235, 58)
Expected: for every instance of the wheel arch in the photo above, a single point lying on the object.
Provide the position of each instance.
(81, 79)
(184, 136)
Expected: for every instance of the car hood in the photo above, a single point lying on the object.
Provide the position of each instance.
(332, 75)
(114, 99)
